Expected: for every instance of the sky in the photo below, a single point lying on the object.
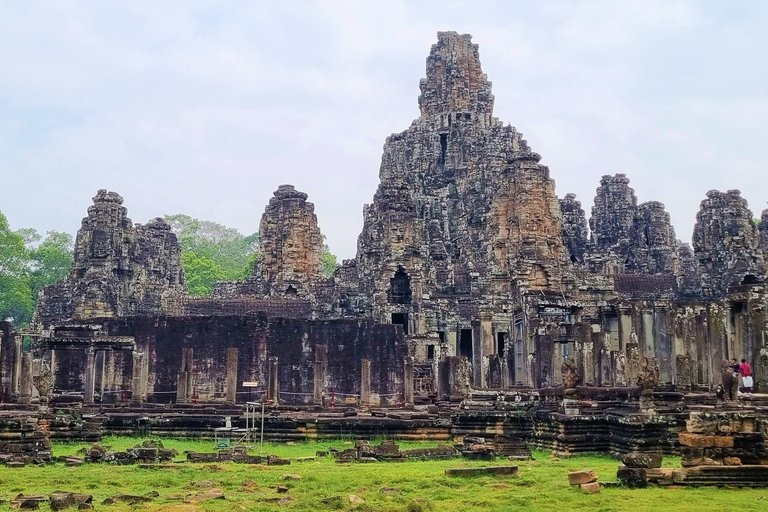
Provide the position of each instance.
(205, 108)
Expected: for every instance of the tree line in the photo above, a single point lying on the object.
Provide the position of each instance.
(211, 252)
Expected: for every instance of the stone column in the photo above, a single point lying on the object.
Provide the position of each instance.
(25, 378)
(321, 353)
(232, 354)
(488, 347)
(408, 381)
(184, 379)
(90, 375)
(365, 382)
(101, 372)
(16, 372)
(138, 386)
(273, 381)
(477, 353)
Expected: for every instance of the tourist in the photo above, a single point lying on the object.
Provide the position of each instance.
(745, 371)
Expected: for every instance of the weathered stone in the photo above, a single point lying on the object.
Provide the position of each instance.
(590, 488)
(511, 471)
(632, 477)
(582, 477)
(696, 440)
(660, 476)
(642, 460)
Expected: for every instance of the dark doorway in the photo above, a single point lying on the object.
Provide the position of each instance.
(465, 343)
(501, 340)
(400, 288)
(402, 319)
(441, 336)
(430, 352)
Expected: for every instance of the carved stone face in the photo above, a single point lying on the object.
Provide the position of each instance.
(100, 246)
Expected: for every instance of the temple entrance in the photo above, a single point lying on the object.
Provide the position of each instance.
(400, 288)
(501, 340)
(402, 319)
(465, 343)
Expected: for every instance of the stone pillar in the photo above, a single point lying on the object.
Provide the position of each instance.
(477, 353)
(273, 381)
(181, 388)
(488, 345)
(321, 352)
(232, 354)
(138, 386)
(184, 379)
(453, 349)
(365, 382)
(408, 381)
(90, 375)
(101, 363)
(25, 378)
(16, 372)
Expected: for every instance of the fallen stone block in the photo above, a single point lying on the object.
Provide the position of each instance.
(642, 460)
(61, 500)
(634, 478)
(660, 476)
(590, 488)
(582, 477)
(213, 494)
(511, 471)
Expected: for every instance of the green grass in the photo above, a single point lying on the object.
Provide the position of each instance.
(543, 484)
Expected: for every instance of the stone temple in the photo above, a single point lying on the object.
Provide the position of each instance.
(473, 280)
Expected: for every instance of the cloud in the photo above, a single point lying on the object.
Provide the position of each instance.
(206, 108)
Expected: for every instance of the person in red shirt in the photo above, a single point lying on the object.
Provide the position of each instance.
(745, 370)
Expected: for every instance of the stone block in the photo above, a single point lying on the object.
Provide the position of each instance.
(695, 440)
(511, 471)
(731, 461)
(660, 476)
(722, 441)
(590, 488)
(582, 477)
(642, 460)
(632, 477)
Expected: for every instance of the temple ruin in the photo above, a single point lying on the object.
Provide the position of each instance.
(474, 283)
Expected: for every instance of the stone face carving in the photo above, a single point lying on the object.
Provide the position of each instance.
(575, 234)
(725, 242)
(119, 269)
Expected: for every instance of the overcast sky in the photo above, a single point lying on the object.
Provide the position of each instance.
(204, 108)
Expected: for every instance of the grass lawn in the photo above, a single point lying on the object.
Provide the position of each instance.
(408, 486)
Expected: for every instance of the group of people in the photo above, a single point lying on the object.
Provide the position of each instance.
(743, 373)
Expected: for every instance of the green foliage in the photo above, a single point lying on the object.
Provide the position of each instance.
(15, 293)
(201, 272)
(25, 268)
(51, 261)
(330, 262)
(212, 252)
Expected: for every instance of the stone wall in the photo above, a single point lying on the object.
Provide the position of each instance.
(297, 344)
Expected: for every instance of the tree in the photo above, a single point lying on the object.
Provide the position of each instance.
(201, 273)
(51, 261)
(330, 262)
(212, 252)
(15, 293)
